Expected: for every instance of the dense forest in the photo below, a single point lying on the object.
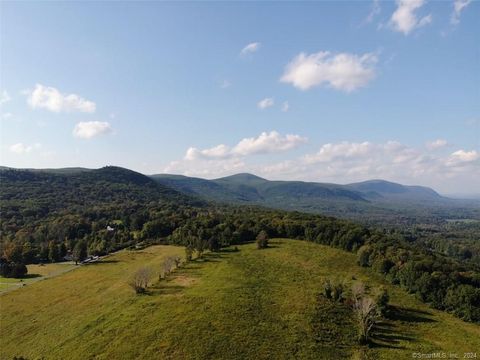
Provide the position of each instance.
(47, 216)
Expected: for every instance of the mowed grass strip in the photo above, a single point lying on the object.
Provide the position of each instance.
(250, 304)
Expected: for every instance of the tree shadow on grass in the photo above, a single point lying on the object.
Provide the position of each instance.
(386, 335)
(410, 315)
(30, 276)
(163, 288)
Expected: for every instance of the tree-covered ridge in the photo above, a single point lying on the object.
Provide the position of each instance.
(48, 216)
(372, 202)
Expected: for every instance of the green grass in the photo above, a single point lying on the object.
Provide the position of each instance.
(36, 272)
(250, 304)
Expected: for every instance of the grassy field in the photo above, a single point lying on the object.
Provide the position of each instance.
(250, 304)
(35, 272)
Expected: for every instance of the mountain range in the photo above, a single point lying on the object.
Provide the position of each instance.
(369, 201)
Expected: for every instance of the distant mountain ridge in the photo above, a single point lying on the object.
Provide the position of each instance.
(370, 201)
(249, 187)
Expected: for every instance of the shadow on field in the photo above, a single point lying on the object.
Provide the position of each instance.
(30, 276)
(410, 315)
(386, 335)
(164, 289)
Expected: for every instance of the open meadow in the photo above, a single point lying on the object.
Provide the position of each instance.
(241, 304)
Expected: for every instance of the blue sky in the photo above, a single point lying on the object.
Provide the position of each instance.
(383, 89)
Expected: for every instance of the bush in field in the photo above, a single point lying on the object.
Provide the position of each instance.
(327, 289)
(262, 240)
(140, 279)
(333, 290)
(188, 253)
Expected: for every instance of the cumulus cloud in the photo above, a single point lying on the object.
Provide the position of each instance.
(285, 106)
(21, 148)
(436, 144)
(90, 129)
(251, 48)
(219, 151)
(405, 18)
(339, 162)
(465, 156)
(458, 7)
(271, 142)
(265, 103)
(49, 98)
(266, 142)
(343, 71)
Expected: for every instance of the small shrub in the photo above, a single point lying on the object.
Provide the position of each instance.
(327, 289)
(262, 240)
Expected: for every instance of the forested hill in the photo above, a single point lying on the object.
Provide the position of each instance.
(47, 191)
(42, 206)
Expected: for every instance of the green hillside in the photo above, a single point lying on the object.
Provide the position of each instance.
(246, 304)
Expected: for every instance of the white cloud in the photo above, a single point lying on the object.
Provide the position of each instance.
(458, 7)
(4, 97)
(90, 129)
(251, 48)
(49, 98)
(285, 106)
(339, 162)
(21, 148)
(7, 115)
(219, 151)
(266, 142)
(436, 144)
(343, 71)
(405, 19)
(465, 156)
(265, 103)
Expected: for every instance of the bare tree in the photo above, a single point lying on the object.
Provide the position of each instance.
(367, 314)
(358, 290)
(140, 279)
(167, 266)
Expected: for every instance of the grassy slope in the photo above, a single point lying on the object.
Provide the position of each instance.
(238, 305)
(36, 273)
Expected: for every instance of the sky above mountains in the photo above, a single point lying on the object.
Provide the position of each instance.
(319, 91)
